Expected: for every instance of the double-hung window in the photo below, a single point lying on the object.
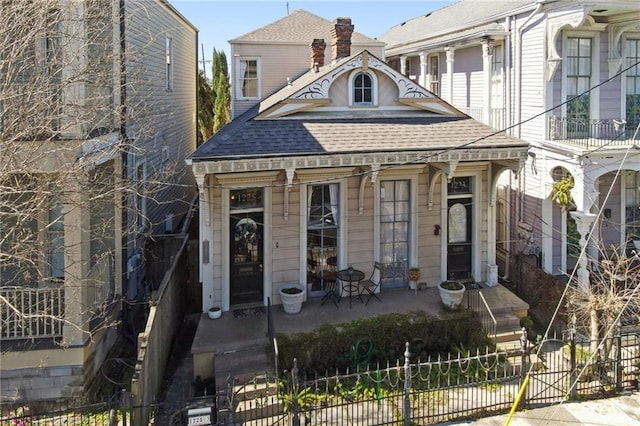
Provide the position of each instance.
(632, 86)
(248, 76)
(578, 64)
(434, 74)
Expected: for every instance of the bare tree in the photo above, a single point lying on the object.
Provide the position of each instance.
(78, 114)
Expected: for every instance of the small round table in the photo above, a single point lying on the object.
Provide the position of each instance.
(350, 278)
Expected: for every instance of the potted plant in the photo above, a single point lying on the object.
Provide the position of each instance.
(451, 293)
(214, 312)
(292, 296)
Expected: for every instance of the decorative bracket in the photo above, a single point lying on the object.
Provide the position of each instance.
(290, 171)
(437, 169)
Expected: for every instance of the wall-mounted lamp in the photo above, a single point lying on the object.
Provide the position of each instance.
(436, 229)
(607, 213)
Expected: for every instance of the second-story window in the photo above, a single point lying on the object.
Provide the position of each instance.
(434, 75)
(362, 89)
(496, 115)
(169, 62)
(578, 81)
(248, 78)
(632, 85)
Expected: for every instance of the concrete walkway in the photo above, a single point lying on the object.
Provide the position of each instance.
(619, 411)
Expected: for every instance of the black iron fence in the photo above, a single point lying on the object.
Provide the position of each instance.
(589, 134)
(453, 387)
(461, 386)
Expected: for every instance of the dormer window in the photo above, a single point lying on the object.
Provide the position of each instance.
(363, 88)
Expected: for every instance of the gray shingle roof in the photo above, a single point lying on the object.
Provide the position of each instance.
(449, 19)
(248, 138)
(299, 26)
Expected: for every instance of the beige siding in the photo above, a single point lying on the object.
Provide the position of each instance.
(277, 63)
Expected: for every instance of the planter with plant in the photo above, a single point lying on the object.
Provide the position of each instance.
(292, 296)
(451, 293)
(214, 312)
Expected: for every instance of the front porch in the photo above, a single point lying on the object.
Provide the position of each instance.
(236, 345)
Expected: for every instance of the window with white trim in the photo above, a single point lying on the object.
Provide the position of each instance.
(632, 85)
(169, 62)
(434, 74)
(578, 66)
(248, 78)
(362, 88)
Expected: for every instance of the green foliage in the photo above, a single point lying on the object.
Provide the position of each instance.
(329, 348)
(526, 322)
(561, 192)
(205, 108)
(222, 90)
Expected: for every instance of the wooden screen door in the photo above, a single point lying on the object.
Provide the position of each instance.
(246, 283)
(459, 238)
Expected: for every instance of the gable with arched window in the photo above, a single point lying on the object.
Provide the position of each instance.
(363, 89)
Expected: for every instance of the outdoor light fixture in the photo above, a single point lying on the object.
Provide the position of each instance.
(436, 229)
(607, 213)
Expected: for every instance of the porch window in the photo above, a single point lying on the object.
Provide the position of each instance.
(434, 75)
(632, 98)
(578, 61)
(55, 238)
(323, 212)
(632, 205)
(496, 114)
(394, 229)
(248, 78)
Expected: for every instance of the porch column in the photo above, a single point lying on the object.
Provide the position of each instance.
(76, 263)
(450, 51)
(423, 70)
(403, 65)
(487, 56)
(583, 223)
(206, 244)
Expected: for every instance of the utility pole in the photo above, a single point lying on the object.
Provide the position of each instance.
(204, 67)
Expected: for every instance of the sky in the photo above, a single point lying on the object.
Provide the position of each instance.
(219, 21)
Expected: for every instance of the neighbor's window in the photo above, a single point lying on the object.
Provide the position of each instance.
(632, 87)
(169, 59)
(248, 78)
(578, 64)
(434, 75)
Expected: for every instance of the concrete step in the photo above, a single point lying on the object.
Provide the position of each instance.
(242, 364)
(506, 322)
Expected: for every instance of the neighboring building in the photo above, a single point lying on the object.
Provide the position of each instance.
(562, 75)
(347, 164)
(97, 113)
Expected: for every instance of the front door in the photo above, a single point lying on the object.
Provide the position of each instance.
(459, 238)
(246, 283)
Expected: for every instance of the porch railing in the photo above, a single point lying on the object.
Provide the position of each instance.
(478, 304)
(589, 134)
(495, 117)
(31, 312)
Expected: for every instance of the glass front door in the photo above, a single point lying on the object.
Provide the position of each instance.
(459, 228)
(395, 209)
(323, 212)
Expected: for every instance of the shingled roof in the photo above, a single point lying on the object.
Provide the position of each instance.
(463, 14)
(298, 27)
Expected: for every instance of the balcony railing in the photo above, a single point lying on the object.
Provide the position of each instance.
(31, 312)
(590, 134)
(496, 117)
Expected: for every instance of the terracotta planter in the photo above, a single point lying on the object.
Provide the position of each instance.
(451, 297)
(214, 313)
(292, 296)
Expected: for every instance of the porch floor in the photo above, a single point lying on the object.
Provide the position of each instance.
(229, 333)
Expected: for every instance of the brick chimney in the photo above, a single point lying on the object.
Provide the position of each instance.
(317, 53)
(341, 38)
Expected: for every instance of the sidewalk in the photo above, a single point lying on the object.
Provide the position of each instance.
(618, 411)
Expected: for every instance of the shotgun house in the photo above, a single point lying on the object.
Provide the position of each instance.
(563, 76)
(347, 164)
(92, 151)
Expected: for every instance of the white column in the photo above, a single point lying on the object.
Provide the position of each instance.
(583, 222)
(423, 70)
(205, 244)
(450, 51)
(487, 56)
(403, 65)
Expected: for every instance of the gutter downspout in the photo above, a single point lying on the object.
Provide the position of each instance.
(518, 56)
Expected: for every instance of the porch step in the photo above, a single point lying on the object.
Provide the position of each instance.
(507, 322)
(242, 364)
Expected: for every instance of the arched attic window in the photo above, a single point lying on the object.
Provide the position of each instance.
(362, 89)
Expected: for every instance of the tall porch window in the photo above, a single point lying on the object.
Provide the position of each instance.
(578, 62)
(395, 209)
(434, 74)
(496, 113)
(632, 205)
(632, 96)
(55, 238)
(323, 212)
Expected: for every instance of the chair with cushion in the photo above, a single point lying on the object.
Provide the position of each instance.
(369, 287)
